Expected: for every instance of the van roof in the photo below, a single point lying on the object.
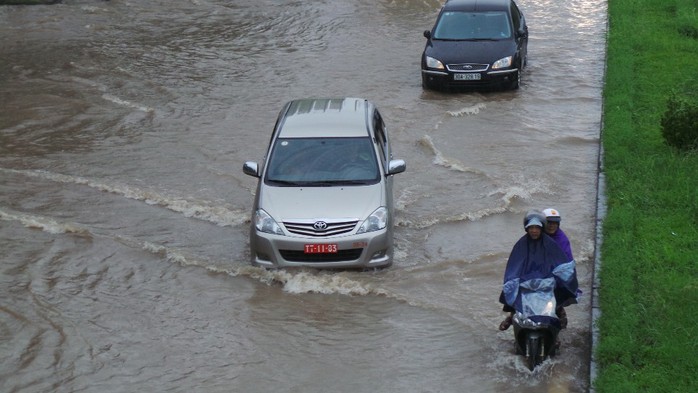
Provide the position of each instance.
(325, 117)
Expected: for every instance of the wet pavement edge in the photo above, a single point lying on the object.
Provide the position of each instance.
(596, 282)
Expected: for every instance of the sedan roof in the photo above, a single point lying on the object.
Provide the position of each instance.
(325, 117)
(477, 5)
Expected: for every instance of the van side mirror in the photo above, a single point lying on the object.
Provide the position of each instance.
(427, 34)
(396, 166)
(251, 168)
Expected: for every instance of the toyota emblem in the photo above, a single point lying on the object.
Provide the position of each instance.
(320, 226)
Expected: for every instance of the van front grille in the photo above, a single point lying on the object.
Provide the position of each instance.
(320, 228)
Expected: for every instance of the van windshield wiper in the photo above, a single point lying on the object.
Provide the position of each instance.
(338, 182)
(324, 183)
(357, 182)
(287, 183)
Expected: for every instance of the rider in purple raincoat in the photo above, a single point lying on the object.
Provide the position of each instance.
(552, 228)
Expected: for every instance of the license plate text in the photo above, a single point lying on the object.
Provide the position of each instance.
(467, 77)
(320, 249)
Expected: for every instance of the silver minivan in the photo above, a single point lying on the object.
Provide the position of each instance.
(325, 192)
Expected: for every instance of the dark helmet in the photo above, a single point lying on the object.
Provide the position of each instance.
(536, 216)
(552, 215)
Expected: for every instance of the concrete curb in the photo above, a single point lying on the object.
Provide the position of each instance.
(601, 209)
(596, 282)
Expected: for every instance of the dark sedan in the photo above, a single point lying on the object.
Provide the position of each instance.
(475, 43)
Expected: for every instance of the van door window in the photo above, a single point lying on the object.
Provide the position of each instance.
(379, 129)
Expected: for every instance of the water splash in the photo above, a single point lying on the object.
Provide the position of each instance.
(311, 281)
(468, 111)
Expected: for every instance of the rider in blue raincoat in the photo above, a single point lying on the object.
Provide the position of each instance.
(536, 255)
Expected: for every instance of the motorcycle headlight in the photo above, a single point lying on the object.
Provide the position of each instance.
(433, 63)
(376, 221)
(502, 63)
(264, 223)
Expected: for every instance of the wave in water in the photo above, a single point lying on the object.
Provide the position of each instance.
(465, 216)
(127, 104)
(504, 200)
(445, 162)
(44, 223)
(201, 210)
(292, 281)
(467, 111)
(308, 281)
(522, 188)
(103, 88)
(295, 281)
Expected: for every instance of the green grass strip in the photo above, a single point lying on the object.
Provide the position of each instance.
(649, 276)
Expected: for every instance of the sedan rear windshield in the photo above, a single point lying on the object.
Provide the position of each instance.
(322, 162)
(453, 25)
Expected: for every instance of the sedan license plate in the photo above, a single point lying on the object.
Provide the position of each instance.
(320, 249)
(470, 76)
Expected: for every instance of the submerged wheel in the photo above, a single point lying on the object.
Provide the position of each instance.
(534, 351)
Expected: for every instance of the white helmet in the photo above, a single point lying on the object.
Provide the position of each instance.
(552, 215)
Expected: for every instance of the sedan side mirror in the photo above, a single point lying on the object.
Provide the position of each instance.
(427, 34)
(251, 168)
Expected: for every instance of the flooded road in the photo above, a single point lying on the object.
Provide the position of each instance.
(124, 212)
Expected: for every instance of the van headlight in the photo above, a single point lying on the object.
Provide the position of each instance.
(502, 63)
(264, 223)
(376, 221)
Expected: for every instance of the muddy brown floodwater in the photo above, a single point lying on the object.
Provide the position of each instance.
(124, 210)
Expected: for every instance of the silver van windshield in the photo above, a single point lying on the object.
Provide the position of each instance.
(322, 162)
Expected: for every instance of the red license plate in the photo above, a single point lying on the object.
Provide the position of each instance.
(320, 248)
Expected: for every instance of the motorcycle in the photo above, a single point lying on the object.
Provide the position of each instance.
(536, 325)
